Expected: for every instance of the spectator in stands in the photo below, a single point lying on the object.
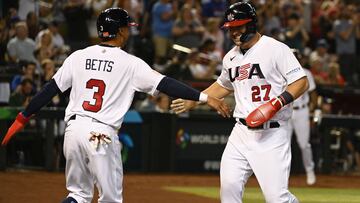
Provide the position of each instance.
(271, 20)
(26, 6)
(326, 23)
(187, 30)
(316, 69)
(4, 38)
(28, 72)
(48, 71)
(32, 24)
(295, 35)
(321, 53)
(208, 47)
(334, 76)
(21, 97)
(195, 8)
(12, 19)
(76, 14)
(57, 38)
(45, 13)
(163, 13)
(21, 47)
(346, 30)
(201, 66)
(45, 48)
(178, 67)
(213, 32)
(213, 8)
(61, 48)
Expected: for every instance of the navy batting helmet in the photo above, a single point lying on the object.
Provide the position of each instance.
(110, 20)
(242, 13)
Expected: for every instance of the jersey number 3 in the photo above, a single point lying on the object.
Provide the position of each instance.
(98, 96)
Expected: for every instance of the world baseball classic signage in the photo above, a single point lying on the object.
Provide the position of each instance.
(200, 141)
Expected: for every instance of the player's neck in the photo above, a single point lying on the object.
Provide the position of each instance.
(251, 43)
(112, 43)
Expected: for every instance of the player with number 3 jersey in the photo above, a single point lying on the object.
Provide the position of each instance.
(103, 79)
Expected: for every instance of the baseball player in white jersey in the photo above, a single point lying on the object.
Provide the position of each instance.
(300, 123)
(103, 79)
(265, 77)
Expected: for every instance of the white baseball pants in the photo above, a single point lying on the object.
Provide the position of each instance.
(86, 166)
(301, 124)
(258, 152)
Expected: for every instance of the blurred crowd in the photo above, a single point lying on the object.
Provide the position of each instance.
(181, 38)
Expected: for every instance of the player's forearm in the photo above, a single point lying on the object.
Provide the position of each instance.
(174, 88)
(297, 88)
(42, 98)
(217, 91)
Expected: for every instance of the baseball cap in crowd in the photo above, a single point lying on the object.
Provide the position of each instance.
(322, 43)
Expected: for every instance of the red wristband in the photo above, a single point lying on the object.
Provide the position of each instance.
(22, 119)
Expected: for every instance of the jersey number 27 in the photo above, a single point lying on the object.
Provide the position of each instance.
(98, 96)
(256, 97)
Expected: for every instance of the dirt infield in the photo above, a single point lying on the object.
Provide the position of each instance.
(43, 187)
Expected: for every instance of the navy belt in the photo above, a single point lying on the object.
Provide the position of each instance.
(272, 124)
(73, 117)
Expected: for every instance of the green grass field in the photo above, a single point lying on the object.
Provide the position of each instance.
(305, 195)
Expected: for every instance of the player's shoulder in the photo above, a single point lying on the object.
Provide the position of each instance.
(134, 60)
(275, 47)
(274, 43)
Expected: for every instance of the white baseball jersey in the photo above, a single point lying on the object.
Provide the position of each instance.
(304, 98)
(103, 81)
(259, 75)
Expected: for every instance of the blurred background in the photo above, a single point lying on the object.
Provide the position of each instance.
(182, 39)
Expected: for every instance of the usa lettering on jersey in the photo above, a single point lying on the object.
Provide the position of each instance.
(246, 71)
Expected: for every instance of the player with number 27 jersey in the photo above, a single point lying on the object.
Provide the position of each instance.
(95, 78)
(262, 75)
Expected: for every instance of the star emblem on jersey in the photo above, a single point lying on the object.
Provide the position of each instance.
(230, 17)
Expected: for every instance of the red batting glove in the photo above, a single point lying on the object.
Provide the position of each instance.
(263, 113)
(17, 125)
